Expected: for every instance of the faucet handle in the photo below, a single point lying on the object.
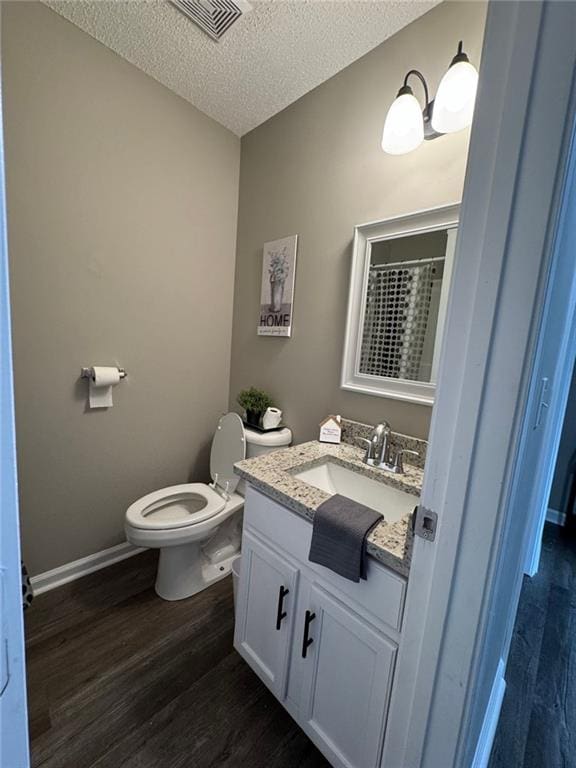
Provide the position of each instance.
(369, 445)
(399, 459)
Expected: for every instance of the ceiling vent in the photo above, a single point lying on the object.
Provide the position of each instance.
(215, 17)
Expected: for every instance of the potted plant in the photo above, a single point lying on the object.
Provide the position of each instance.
(255, 402)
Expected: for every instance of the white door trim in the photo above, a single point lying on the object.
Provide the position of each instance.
(13, 709)
(517, 158)
(551, 405)
(562, 293)
(484, 746)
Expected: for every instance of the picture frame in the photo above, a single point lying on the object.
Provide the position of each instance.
(277, 290)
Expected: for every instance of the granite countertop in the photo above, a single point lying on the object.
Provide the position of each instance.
(272, 473)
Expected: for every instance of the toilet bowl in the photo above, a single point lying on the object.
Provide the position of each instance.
(198, 527)
(186, 523)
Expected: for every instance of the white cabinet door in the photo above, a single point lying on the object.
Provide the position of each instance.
(265, 616)
(346, 689)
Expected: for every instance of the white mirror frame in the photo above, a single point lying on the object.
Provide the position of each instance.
(445, 217)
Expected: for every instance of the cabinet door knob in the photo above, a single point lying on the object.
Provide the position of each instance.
(306, 640)
(280, 613)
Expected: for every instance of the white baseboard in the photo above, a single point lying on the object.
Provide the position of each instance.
(556, 517)
(43, 582)
(553, 516)
(486, 739)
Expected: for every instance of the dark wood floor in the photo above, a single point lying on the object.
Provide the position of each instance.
(118, 677)
(537, 727)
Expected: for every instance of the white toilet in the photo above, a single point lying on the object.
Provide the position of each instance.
(198, 527)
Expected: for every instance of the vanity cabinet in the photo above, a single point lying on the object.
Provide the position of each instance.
(327, 647)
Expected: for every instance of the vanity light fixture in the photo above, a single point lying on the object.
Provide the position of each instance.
(407, 125)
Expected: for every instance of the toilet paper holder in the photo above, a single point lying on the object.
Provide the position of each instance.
(88, 373)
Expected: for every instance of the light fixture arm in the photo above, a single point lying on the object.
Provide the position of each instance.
(429, 132)
(422, 79)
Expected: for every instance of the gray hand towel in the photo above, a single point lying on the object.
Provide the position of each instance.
(339, 533)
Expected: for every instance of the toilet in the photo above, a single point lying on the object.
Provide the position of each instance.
(198, 527)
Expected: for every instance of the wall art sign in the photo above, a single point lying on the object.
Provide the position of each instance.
(277, 295)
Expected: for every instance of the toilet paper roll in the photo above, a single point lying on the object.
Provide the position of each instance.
(272, 418)
(101, 383)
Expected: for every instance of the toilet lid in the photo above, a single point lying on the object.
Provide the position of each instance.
(228, 447)
(175, 507)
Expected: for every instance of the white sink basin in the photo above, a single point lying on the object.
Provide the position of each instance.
(334, 478)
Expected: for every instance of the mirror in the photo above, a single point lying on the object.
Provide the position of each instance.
(399, 287)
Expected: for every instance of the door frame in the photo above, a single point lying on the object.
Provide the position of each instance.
(453, 647)
(13, 705)
(551, 393)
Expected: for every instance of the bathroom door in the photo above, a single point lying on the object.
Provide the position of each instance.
(13, 712)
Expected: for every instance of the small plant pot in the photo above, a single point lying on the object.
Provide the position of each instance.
(253, 418)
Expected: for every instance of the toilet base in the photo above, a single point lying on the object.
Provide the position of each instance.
(183, 574)
(187, 569)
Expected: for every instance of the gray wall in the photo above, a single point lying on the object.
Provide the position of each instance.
(316, 170)
(122, 212)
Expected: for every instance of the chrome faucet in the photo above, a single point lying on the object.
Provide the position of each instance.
(384, 433)
(379, 450)
(378, 445)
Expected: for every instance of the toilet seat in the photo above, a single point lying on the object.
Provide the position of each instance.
(178, 506)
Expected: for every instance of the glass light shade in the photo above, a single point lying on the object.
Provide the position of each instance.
(404, 126)
(454, 102)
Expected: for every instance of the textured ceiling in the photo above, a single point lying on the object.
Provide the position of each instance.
(271, 56)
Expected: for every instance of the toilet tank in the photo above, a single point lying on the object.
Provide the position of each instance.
(259, 443)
